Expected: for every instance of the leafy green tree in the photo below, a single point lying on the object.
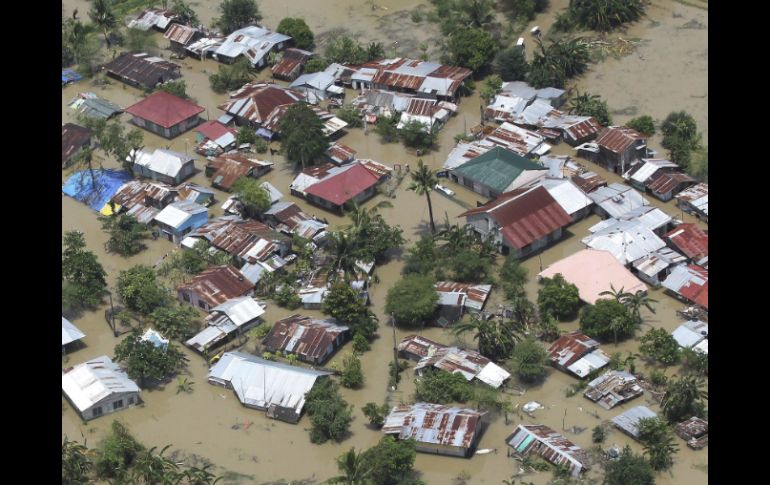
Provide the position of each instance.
(661, 346)
(117, 453)
(101, 14)
(636, 301)
(658, 441)
(75, 464)
(140, 41)
(469, 266)
(245, 134)
(344, 50)
(342, 302)
(628, 469)
(600, 15)
(316, 64)
(511, 64)
(297, 29)
(151, 467)
(386, 127)
(684, 399)
(442, 387)
(139, 289)
(607, 319)
(376, 414)
(286, 297)
(423, 182)
(422, 257)
(126, 234)
(513, 277)
(330, 415)
(352, 375)
(496, 338)
(591, 105)
(552, 65)
(351, 465)
(412, 300)
(695, 362)
(375, 50)
(143, 360)
(391, 461)
(350, 115)
(520, 9)
(177, 88)
(371, 236)
(492, 86)
(471, 48)
(83, 277)
(360, 343)
(680, 137)
(302, 135)
(237, 14)
(558, 297)
(598, 434)
(643, 124)
(416, 134)
(255, 198)
(229, 78)
(529, 361)
(184, 12)
(178, 322)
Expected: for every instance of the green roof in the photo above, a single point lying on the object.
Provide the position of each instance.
(497, 168)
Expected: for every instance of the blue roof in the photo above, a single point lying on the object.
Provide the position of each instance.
(95, 192)
(69, 76)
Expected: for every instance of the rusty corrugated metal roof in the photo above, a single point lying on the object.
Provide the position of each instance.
(72, 138)
(182, 34)
(589, 181)
(434, 424)
(618, 139)
(291, 63)
(218, 284)
(307, 337)
(569, 348)
(667, 182)
(690, 240)
(229, 167)
(554, 447)
(418, 345)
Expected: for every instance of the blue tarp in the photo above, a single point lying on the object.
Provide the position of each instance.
(69, 76)
(97, 192)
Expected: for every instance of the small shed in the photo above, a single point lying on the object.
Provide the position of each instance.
(69, 332)
(695, 200)
(620, 147)
(180, 36)
(695, 431)
(628, 420)
(291, 64)
(98, 387)
(578, 354)
(179, 218)
(233, 316)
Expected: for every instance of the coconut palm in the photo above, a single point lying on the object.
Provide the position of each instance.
(353, 469)
(199, 476)
(340, 246)
(478, 13)
(605, 15)
(661, 451)
(496, 338)
(154, 468)
(618, 295)
(102, 15)
(638, 300)
(75, 464)
(361, 216)
(683, 398)
(423, 181)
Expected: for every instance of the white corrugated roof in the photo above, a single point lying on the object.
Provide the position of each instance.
(206, 338)
(275, 195)
(589, 362)
(302, 182)
(240, 310)
(91, 382)
(493, 375)
(567, 195)
(648, 169)
(165, 162)
(617, 199)
(626, 240)
(691, 333)
(69, 332)
(176, 214)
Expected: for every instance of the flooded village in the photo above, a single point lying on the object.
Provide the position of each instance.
(257, 201)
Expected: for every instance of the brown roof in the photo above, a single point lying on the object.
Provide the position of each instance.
(256, 101)
(418, 345)
(72, 138)
(165, 109)
(182, 34)
(589, 181)
(307, 337)
(341, 153)
(618, 139)
(231, 167)
(291, 215)
(569, 348)
(248, 239)
(217, 285)
(525, 215)
(666, 182)
(137, 69)
(422, 107)
(584, 129)
(690, 240)
(291, 63)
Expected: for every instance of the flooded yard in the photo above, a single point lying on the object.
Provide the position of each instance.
(668, 72)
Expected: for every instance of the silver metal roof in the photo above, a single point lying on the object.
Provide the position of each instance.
(617, 199)
(691, 333)
(567, 195)
(69, 332)
(626, 240)
(93, 381)
(627, 421)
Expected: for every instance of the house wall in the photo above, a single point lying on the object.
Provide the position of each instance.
(664, 196)
(535, 246)
(436, 449)
(581, 214)
(107, 405)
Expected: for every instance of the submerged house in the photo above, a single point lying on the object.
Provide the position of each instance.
(157, 18)
(521, 222)
(605, 270)
(353, 182)
(577, 353)
(287, 217)
(693, 334)
(662, 178)
(468, 363)
(613, 388)
(98, 387)
(73, 139)
(436, 429)
(588, 181)
(163, 165)
(214, 138)
(165, 115)
(496, 172)
(553, 447)
(455, 298)
(616, 199)
(213, 287)
(178, 219)
(317, 87)
(655, 267)
(620, 147)
(180, 36)
(417, 347)
(252, 42)
(648, 216)
(695, 431)
(279, 389)
(142, 70)
(695, 201)
(689, 282)
(225, 169)
(340, 154)
(233, 316)
(69, 333)
(143, 200)
(92, 106)
(574, 202)
(292, 62)
(628, 421)
(310, 339)
(690, 240)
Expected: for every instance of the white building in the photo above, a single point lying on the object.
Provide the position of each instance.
(98, 387)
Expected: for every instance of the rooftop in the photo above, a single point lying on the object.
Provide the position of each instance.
(497, 168)
(89, 383)
(434, 423)
(218, 284)
(164, 109)
(305, 336)
(690, 240)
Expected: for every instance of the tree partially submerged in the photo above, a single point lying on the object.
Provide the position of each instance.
(591, 105)
(423, 182)
(237, 14)
(660, 346)
(255, 198)
(330, 414)
(126, 234)
(629, 469)
(229, 78)
(139, 289)
(599, 15)
(297, 29)
(412, 300)
(83, 277)
(302, 135)
(472, 48)
(608, 319)
(511, 64)
(558, 298)
(529, 361)
(144, 361)
(658, 441)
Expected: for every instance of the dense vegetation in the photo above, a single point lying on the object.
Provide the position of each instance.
(237, 14)
(297, 29)
(330, 415)
(599, 15)
(302, 135)
(83, 277)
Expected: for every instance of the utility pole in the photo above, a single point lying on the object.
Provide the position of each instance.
(112, 316)
(395, 352)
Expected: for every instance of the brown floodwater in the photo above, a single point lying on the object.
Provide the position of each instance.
(201, 424)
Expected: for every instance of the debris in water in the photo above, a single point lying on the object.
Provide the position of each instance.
(532, 406)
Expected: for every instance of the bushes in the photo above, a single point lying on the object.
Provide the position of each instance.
(529, 361)
(681, 138)
(591, 105)
(643, 124)
(511, 64)
(298, 30)
(352, 376)
(599, 15)
(412, 300)
(607, 319)
(471, 48)
(559, 298)
(329, 414)
(375, 413)
(441, 387)
(229, 78)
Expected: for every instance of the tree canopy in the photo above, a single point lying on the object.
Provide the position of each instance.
(126, 234)
(298, 30)
(529, 361)
(412, 300)
(237, 14)
(177, 322)
(511, 64)
(599, 15)
(139, 289)
(607, 319)
(255, 198)
(143, 360)
(558, 297)
(660, 346)
(628, 469)
(643, 124)
(442, 387)
(684, 399)
(343, 303)
(658, 441)
(344, 50)
(229, 78)
(330, 414)
(302, 136)
(591, 105)
(391, 461)
(472, 48)
(83, 277)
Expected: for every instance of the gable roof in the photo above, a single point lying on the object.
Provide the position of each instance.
(616, 199)
(524, 215)
(567, 194)
(140, 68)
(691, 282)
(218, 284)
(497, 168)
(344, 186)
(239, 310)
(92, 106)
(468, 363)
(164, 109)
(164, 162)
(626, 240)
(229, 167)
(554, 447)
(304, 336)
(256, 101)
(69, 332)
(183, 34)
(434, 423)
(177, 213)
(93, 381)
(72, 138)
(691, 240)
(618, 139)
(605, 271)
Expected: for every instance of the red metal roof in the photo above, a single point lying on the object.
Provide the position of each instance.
(342, 187)
(666, 182)
(525, 215)
(588, 182)
(618, 139)
(690, 240)
(569, 348)
(213, 129)
(341, 153)
(697, 293)
(164, 109)
(217, 285)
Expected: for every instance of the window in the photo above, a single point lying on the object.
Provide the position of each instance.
(202, 304)
(186, 297)
(468, 182)
(117, 404)
(97, 411)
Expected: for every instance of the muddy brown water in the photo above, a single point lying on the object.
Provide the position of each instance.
(201, 424)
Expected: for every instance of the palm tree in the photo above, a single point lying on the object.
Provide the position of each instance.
(361, 216)
(660, 452)
(155, 469)
(199, 476)
(423, 181)
(496, 338)
(619, 295)
(638, 300)
(683, 398)
(75, 464)
(102, 16)
(617, 324)
(478, 12)
(352, 468)
(340, 246)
